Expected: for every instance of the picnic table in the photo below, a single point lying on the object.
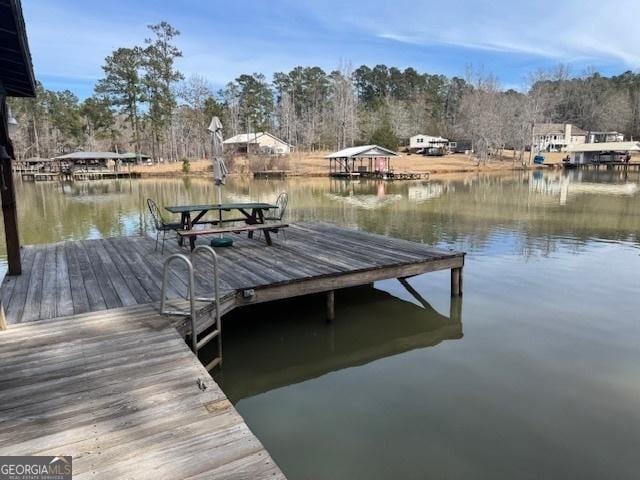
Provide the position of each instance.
(252, 214)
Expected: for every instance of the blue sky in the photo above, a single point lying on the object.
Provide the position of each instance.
(222, 39)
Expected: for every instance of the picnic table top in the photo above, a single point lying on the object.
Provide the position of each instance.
(219, 206)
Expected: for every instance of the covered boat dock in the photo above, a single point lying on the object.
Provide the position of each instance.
(604, 154)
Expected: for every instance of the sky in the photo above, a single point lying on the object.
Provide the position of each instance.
(220, 40)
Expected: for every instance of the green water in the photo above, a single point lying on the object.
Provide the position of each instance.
(539, 378)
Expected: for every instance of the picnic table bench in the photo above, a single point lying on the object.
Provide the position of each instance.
(253, 213)
(266, 228)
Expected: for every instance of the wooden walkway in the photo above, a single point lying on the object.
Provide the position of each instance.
(118, 391)
(90, 369)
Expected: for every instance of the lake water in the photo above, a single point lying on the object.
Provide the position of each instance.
(539, 378)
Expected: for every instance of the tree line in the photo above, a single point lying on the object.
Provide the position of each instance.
(144, 104)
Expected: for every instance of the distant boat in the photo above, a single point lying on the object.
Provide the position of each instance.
(538, 159)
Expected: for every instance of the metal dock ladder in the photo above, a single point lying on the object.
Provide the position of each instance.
(192, 311)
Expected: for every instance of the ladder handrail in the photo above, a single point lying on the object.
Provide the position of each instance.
(191, 296)
(216, 290)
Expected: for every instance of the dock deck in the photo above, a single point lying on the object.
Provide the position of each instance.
(76, 277)
(90, 368)
(118, 390)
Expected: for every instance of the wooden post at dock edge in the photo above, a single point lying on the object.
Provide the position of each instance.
(331, 307)
(8, 195)
(456, 282)
(455, 309)
(3, 320)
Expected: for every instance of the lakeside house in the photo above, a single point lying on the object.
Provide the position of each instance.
(428, 145)
(555, 137)
(263, 143)
(365, 160)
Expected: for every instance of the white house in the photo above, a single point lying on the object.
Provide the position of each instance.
(259, 142)
(425, 142)
(556, 137)
(605, 137)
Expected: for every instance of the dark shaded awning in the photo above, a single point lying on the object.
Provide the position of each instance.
(16, 70)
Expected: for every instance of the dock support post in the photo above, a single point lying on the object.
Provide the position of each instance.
(331, 307)
(3, 320)
(455, 309)
(456, 282)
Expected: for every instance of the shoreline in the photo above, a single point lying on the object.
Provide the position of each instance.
(313, 165)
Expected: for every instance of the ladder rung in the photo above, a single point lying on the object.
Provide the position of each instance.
(213, 363)
(207, 339)
(206, 299)
(180, 313)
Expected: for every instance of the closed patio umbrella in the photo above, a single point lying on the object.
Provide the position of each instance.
(219, 173)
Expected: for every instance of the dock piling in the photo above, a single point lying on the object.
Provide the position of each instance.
(331, 307)
(456, 282)
(455, 309)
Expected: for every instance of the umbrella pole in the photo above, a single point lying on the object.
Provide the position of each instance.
(220, 210)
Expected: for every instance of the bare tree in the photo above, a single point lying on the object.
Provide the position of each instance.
(195, 91)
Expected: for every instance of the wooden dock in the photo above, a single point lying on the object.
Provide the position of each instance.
(390, 175)
(91, 369)
(75, 277)
(40, 176)
(118, 390)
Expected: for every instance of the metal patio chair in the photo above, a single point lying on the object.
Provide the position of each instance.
(160, 224)
(278, 214)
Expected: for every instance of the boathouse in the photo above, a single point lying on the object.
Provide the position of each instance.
(366, 160)
(88, 160)
(598, 153)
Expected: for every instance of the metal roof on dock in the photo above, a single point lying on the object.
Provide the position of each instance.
(363, 151)
(605, 147)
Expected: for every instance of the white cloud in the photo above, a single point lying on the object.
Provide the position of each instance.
(560, 30)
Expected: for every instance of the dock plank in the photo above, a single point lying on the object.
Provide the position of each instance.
(48, 307)
(137, 290)
(64, 300)
(94, 295)
(34, 292)
(100, 271)
(79, 297)
(110, 266)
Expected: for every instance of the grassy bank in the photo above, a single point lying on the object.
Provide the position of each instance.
(314, 164)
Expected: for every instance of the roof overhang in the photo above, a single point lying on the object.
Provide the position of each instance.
(365, 151)
(92, 155)
(16, 71)
(604, 147)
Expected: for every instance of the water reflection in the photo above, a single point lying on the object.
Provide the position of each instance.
(531, 214)
(545, 382)
(297, 346)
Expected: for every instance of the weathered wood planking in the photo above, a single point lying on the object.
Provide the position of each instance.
(93, 275)
(118, 391)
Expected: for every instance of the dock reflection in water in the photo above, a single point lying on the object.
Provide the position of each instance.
(274, 345)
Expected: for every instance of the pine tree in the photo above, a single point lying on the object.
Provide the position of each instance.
(159, 77)
(122, 86)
